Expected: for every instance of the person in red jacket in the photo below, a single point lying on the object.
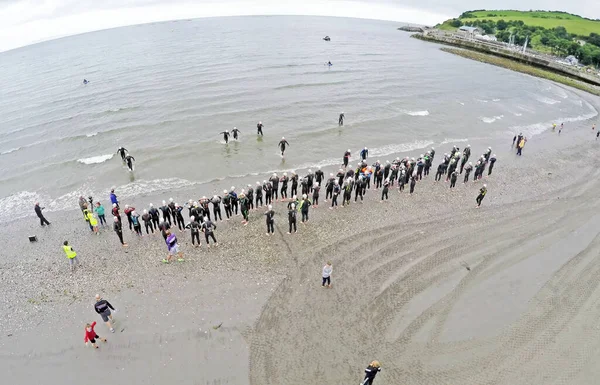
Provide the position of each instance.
(91, 336)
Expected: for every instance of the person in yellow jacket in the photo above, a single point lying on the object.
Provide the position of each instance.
(91, 219)
(71, 255)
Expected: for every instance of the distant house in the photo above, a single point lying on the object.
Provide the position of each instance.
(572, 60)
(470, 30)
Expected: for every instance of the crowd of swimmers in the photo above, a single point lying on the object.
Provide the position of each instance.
(299, 192)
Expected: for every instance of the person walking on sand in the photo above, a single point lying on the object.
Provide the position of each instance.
(481, 195)
(173, 248)
(386, 189)
(521, 145)
(92, 220)
(492, 162)
(327, 269)
(118, 228)
(270, 215)
(370, 372)
(91, 336)
(103, 307)
(453, 178)
(71, 255)
(38, 212)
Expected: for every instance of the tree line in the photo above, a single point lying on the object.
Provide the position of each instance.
(585, 48)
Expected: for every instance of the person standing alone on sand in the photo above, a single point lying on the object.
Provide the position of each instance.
(118, 227)
(71, 255)
(370, 373)
(103, 307)
(38, 211)
(481, 195)
(91, 336)
(327, 269)
(173, 248)
(270, 214)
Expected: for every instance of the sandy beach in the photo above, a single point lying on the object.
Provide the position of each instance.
(525, 312)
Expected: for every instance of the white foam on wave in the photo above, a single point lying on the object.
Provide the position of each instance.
(91, 135)
(9, 151)
(446, 141)
(417, 113)
(492, 119)
(517, 114)
(96, 159)
(546, 100)
(495, 100)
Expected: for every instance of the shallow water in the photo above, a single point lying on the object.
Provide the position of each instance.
(165, 91)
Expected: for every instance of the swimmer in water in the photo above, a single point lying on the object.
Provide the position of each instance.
(123, 152)
(329, 64)
(85, 81)
(259, 128)
(282, 144)
(235, 133)
(341, 119)
(129, 160)
(225, 136)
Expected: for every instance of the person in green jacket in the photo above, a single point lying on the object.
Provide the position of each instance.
(71, 255)
(100, 211)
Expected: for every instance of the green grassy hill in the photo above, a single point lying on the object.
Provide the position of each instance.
(574, 24)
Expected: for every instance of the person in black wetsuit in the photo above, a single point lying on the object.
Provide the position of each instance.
(225, 136)
(194, 227)
(292, 218)
(258, 194)
(117, 226)
(275, 183)
(282, 144)
(208, 229)
(316, 189)
(284, 186)
(341, 119)
(129, 160)
(481, 195)
(453, 178)
(235, 133)
(259, 128)
(413, 182)
(38, 211)
(270, 216)
(346, 158)
(166, 212)
(294, 178)
(123, 152)
(147, 218)
(440, 171)
(319, 176)
(216, 202)
(468, 170)
(386, 188)
(155, 215)
(370, 373)
(492, 162)
(227, 204)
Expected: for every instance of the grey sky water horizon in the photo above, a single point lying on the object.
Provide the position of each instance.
(25, 22)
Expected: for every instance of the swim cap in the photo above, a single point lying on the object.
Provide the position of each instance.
(235, 128)
(116, 219)
(151, 205)
(285, 174)
(232, 188)
(348, 150)
(192, 218)
(170, 199)
(126, 206)
(282, 138)
(248, 186)
(264, 181)
(336, 181)
(484, 185)
(257, 183)
(203, 197)
(304, 196)
(114, 205)
(164, 202)
(270, 207)
(330, 174)
(205, 219)
(145, 211)
(494, 155)
(196, 203)
(134, 213)
(309, 171)
(432, 148)
(259, 122)
(225, 191)
(293, 206)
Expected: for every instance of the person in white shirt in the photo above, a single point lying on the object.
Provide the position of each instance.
(327, 269)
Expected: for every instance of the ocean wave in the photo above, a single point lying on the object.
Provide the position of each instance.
(91, 135)
(495, 100)
(9, 151)
(303, 85)
(492, 119)
(537, 128)
(417, 113)
(546, 100)
(446, 141)
(517, 114)
(96, 159)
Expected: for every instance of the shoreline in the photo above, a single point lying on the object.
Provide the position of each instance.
(266, 290)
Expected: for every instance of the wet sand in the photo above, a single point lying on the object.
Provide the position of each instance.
(525, 313)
